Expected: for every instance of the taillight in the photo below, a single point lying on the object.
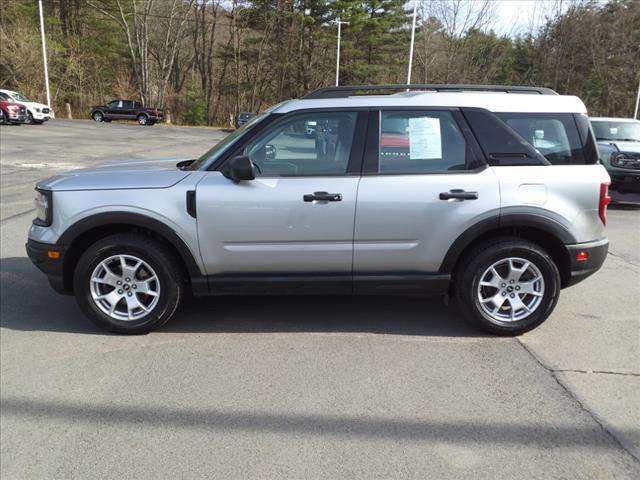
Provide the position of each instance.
(605, 200)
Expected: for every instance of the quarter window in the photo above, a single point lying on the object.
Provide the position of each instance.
(421, 142)
(305, 144)
(554, 135)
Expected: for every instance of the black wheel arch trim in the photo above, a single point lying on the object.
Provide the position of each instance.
(133, 220)
(498, 221)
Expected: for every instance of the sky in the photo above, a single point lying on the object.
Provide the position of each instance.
(520, 16)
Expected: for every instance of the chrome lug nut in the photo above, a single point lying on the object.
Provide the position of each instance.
(120, 291)
(129, 294)
(119, 282)
(513, 295)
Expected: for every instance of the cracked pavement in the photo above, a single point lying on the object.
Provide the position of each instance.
(303, 387)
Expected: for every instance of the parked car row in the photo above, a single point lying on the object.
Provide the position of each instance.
(15, 109)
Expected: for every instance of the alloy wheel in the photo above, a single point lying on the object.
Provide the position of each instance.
(511, 289)
(125, 287)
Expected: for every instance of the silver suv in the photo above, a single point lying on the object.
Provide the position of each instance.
(493, 195)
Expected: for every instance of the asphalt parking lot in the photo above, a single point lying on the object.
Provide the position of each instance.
(322, 387)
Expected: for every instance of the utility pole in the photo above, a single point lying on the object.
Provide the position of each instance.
(338, 54)
(44, 54)
(413, 36)
(635, 112)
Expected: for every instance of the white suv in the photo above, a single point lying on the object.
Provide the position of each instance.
(37, 113)
(491, 194)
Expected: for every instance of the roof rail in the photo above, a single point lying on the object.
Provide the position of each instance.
(344, 91)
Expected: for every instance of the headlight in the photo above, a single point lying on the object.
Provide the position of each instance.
(620, 160)
(44, 211)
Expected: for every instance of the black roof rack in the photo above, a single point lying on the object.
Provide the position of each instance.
(344, 91)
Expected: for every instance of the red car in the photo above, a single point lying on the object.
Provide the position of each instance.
(14, 113)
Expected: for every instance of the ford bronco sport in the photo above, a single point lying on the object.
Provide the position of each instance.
(492, 195)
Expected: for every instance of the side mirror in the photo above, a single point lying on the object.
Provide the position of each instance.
(241, 168)
(270, 152)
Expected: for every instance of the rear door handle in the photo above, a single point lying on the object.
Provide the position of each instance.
(458, 194)
(322, 196)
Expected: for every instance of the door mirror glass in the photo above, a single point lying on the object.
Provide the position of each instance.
(270, 152)
(240, 169)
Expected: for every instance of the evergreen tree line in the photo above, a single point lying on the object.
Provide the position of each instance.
(207, 60)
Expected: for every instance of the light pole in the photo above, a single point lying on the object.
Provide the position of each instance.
(635, 112)
(413, 36)
(338, 54)
(44, 54)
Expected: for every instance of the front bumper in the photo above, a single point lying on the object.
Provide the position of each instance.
(53, 268)
(596, 254)
(625, 180)
(16, 118)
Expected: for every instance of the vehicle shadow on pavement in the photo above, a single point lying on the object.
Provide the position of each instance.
(29, 303)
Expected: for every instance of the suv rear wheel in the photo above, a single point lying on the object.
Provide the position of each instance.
(128, 283)
(507, 286)
(143, 119)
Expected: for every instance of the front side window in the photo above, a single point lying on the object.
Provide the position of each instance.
(20, 98)
(113, 104)
(554, 135)
(127, 104)
(4, 97)
(421, 142)
(305, 144)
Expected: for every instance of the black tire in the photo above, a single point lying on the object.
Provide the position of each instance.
(474, 265)
(2, 117)
(143, 119)
(98, 117)
(156, 256)
(30, 118)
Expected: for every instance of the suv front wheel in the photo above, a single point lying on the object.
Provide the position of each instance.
(128, 283)
(507, 286)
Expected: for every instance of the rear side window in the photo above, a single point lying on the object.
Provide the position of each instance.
(421, 142)
(554, 135)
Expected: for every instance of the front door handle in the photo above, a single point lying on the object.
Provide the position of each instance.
(458, 194)
(322, 196)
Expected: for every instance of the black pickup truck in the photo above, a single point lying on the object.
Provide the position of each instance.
(126, 110)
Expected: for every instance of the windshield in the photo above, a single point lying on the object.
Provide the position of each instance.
(221, 147)
(20, 98)
(611, 130)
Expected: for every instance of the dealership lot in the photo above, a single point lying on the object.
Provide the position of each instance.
(305, 387)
